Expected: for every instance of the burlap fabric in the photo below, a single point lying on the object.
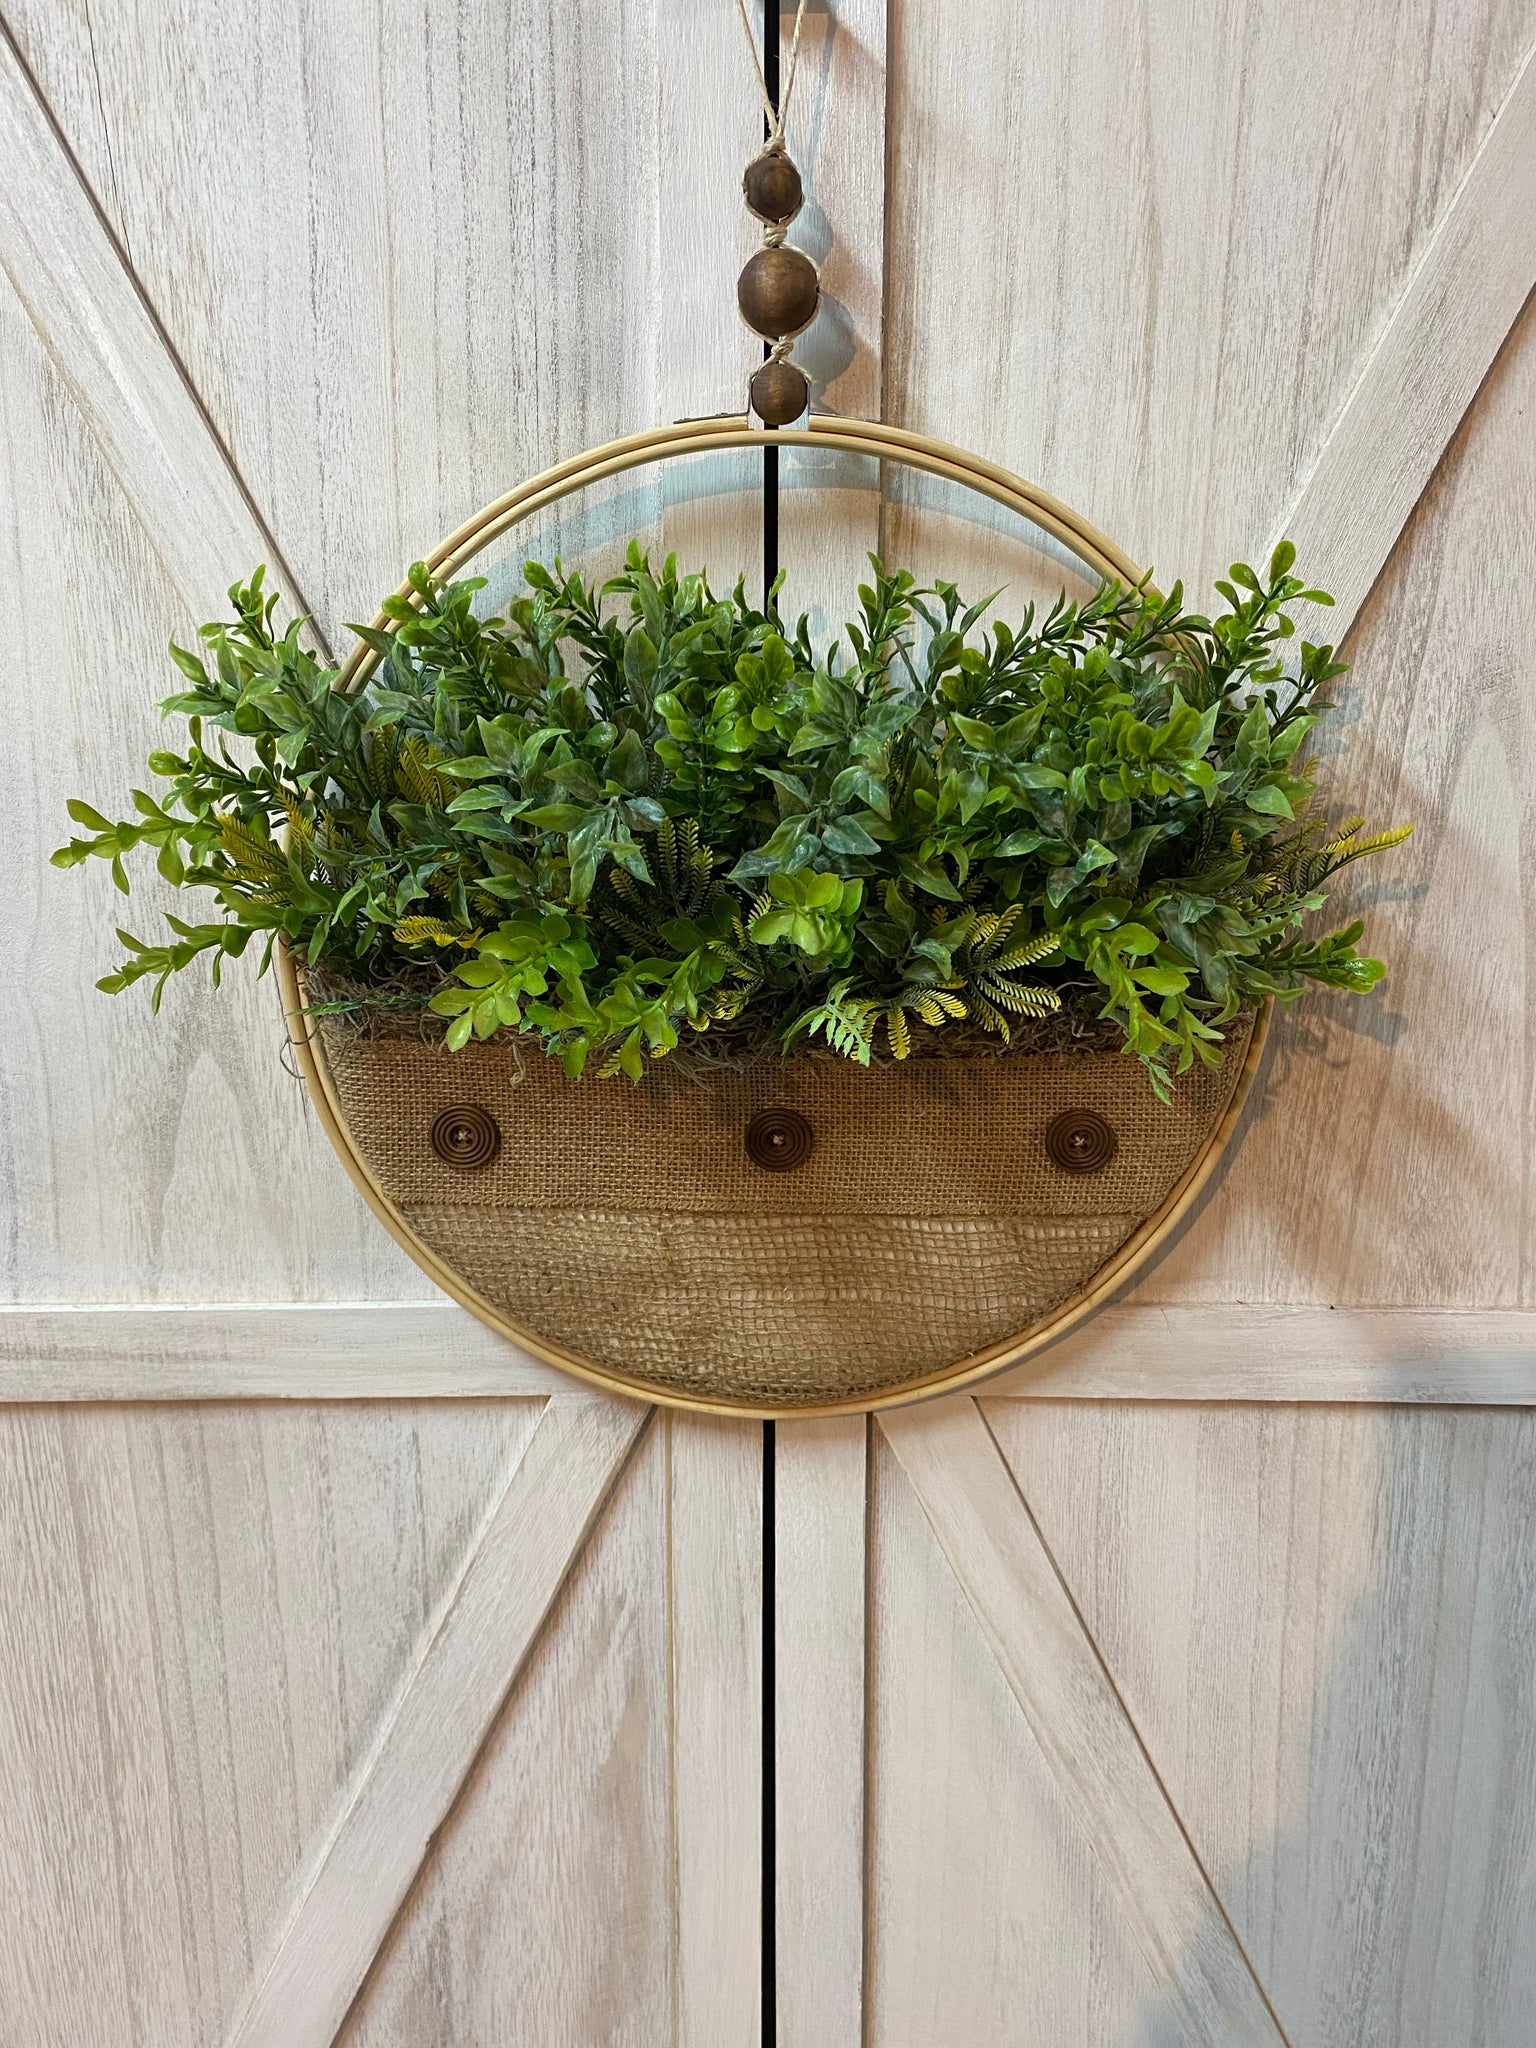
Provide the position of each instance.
(629, 1225)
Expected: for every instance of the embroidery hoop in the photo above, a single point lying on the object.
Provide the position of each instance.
(706, 436)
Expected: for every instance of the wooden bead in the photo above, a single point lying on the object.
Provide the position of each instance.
(779, 393)
(778, 293)
(772, 187)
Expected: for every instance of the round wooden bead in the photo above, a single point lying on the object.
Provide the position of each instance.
(779, 393)
(778, 293)
(772, 187)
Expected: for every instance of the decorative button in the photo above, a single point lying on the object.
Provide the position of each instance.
(778, 1139)
(1080, 1141)
(468, 1137)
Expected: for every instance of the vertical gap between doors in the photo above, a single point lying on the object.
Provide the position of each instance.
(769, 1964)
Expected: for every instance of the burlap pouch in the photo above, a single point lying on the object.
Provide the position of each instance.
(629, 1225)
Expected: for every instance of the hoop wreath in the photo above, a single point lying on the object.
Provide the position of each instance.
(805, 1237)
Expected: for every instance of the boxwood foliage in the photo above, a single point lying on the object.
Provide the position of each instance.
(611, 816)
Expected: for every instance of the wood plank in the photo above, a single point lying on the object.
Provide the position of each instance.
(361, 1869)
(405, 264)
(716, 1595)
(125, 1133)
(263, 1351)
(819, 1601)
(410, 1350)
(1177, 384)
(709, 126)
(203, 1619)
(830, 505)
(1254, 1352)
(1390, 1158)
(107, 344)
(545, 1910)
(990, 1921)
(1321, 1622)
(1470, 281)
(1080, 1723)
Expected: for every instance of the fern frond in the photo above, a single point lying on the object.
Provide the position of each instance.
(1025, 999)
(431, 931)
(416, 777)
(253, 858)
(991, 927)
(1345, 850)
(846, 1022)
(298, 824)
(990, 1018)
(896, 1031)
(1028, 953)
(936, 1005)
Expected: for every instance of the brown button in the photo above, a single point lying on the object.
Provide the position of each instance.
(1080, 1141)
(467, 1136)
(778, 1139)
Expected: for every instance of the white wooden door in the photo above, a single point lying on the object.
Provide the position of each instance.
(359, 1678)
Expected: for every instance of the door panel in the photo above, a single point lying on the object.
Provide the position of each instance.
(206, 1613)
(1320, 1622)
(405, 260)
(980, 1886)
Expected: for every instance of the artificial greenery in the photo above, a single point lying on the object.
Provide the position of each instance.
(608, 823)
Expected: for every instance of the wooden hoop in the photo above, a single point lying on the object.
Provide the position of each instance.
(697, 437)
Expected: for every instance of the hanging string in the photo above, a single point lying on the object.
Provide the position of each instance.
(779, 290)
(775, 115)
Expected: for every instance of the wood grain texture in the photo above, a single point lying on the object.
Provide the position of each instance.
(1472, 278)
(359, 1871)
(109, 348)
(1078, 1720)
(545, 1911)
(121, 1134)
(819, 1622)
(203, 1620)
(1321, 1622)
(341, 1351)
(350, 1351)
(709, 125)
(1250, 1352)
(715, 1490)
(405, 263)
(1420, 1194)
(990, 1920)
(1162, 314)
(830, 505)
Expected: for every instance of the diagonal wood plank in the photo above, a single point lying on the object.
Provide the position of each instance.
(1476, 272)
(1055, 1673)
(360, 1872)
(109, 348)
